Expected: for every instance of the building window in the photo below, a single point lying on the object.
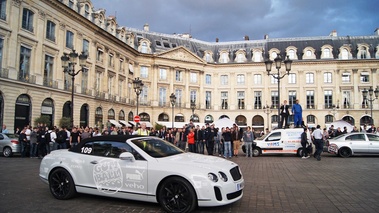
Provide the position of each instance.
(345, 77)
(86, 11)
(224, 79)
(193, 96)
(257, 56)
(208, 79)
(275, 99)
(257, 79)
(120, 87)
(291, 97)
(27, 20)
(110, 60)
(224, 100)
(71, 4)
(310, 99)
(241, 99)
(257, 100)
(85, 80)
(224, 58)
(291, 54)
(329, 119)
(122, 70)
(144, 47)
(48, 72)
(208, 57)
(162, 74)
(274, 79)
(193, 77)
(309, 78)
(292, 78)
(3, 9)
(328, 99)
(85, 48)
(162, 97)
(240, 57)
(99, 55)
(240, 79)
(328, 77)
(144, 72)
(50, 30)
(346, 99)
(179, 96)
(208, 98)
(70, 39)
(97, 84)
(110, 84)
(365, 77)
(143, 95)
(344, 54)
(326, 53)
(24, 67)
(179, 76)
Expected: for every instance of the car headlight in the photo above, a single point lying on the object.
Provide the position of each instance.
(212, 177)
(223, 176)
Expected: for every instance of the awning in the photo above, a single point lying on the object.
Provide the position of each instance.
(148, 124)
(115, 123)
(125, 123)
(178, 124)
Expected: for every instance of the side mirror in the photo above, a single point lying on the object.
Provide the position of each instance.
(127, 156)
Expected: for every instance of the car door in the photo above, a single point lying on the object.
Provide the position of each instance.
(373, 143)
(358, 143)
(273, 143)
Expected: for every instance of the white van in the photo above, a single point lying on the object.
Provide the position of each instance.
(279, 141)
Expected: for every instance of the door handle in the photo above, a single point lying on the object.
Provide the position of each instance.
(94, 162)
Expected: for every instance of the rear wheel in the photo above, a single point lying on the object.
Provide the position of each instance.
(61, 184)
(177, 195)
(7, 152)
(300, 152)
(345, 152)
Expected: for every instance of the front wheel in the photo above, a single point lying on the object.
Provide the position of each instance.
(345, 152)
(177, 195)
(256, 152)
(61, 184)
(7, 152)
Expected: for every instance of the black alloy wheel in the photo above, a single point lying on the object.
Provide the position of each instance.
(177, 195)
(345, 152)
(61, 184)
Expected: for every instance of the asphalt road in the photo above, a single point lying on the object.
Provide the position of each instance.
(272, 184)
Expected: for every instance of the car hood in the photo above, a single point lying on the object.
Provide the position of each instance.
(198, 160)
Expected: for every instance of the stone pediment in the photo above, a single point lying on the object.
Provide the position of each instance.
(181, 54)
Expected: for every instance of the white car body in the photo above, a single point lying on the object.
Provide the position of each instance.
(130, 178)
(355, 143)
(279, 141)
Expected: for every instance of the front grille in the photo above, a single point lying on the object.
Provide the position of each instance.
(236, 174)
(234, 195)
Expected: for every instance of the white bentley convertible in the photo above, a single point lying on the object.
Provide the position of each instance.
(145, 169)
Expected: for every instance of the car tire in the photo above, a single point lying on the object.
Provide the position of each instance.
(300, 152)
(243, 148)
(7, 152)
(177, 195)
(61, 184)
(345, 152)
(256, 152)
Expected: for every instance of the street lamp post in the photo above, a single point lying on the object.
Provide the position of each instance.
(193, 107)
(370, 92)
(267, 109)
(278, 64)
(172, 100)
(68, 63)
(137, 85)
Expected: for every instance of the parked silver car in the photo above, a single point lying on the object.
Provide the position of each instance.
(9, 144)
(356, 143)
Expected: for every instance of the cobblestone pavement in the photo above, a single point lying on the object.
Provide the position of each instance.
(272, 184)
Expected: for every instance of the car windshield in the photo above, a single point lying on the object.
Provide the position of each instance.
(156, 147)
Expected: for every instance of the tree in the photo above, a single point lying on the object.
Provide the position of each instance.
(44, 119)
(65, 122)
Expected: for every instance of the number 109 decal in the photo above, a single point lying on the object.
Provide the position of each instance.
(86, 150)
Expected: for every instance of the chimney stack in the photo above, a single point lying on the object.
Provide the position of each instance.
(216, 39)
(333, 33)
(146, 27)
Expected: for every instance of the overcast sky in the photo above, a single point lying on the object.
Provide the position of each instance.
(231, 20)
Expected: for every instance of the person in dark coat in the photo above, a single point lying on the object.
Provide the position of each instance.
(284, 113)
